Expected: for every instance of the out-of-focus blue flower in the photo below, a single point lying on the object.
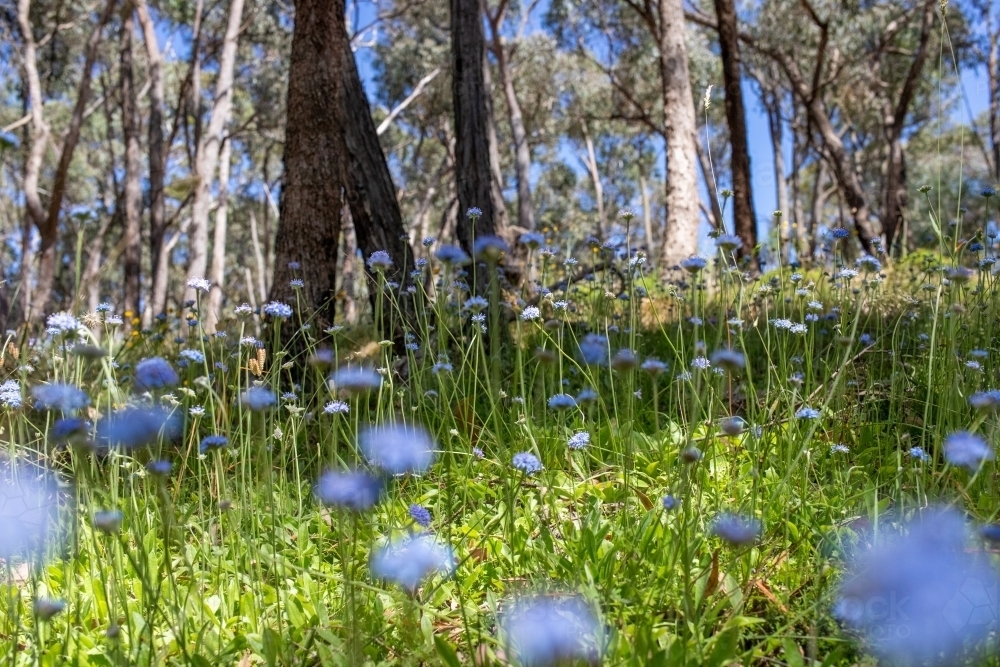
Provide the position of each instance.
(527, 463)
(594, 350)
(159, 467)
(701, 363)
(533, 240)
(477, 304)
(805, 412)
(868, 264)
(489, 248)
(730, 360)
(63, 322)
(694, 264)
(979, 400)
(839, 233)
(670, 502)
(63, 397)
(409, 561)
(653, 367)
(562, 402)
(337, 408)
(966, 450)
(154, 373)
(258, 399)
(728, 242)
(925, 583)
(28, 511)
(213, 442)
(735, 529)
(421, 515)
(47, 608)
(380, 261)
(398, 448)
(546, 630)
(587, 395)
(918, 453)
(352, 490)
(69, 429)
(452, 256)
(136, 427)
(624, 360)
(355, 379)
(108, 521)
(192, 355)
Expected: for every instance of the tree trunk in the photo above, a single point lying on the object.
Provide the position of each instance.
(378, 221)
(207, 155)
(314, 157)
(132, 239)
(818, 204)
(522, 152)
(217, 273)
(992, 72)
(501, 224)
(743, 213)
(157, 161)
(473, 172)
(772, 106)
(49, 230)
(647, 216)
(896, 197)
(680, 239)
(595, 179)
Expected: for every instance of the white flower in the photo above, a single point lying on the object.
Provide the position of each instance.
(199, 284)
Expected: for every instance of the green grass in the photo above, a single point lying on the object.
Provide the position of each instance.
(231, 559)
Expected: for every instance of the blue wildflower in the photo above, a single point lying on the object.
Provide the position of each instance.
(805, 412)
(154, 373)
(594, 350)
(137, 427)
(213, 442)
(108, 521)
(489, 248)
(966, 450)
(736, 530)
(562, 402)
(398, 448)
(277, 310)
(694, 264)
(579, 440)
(10, 394)
(352, 490)
(380, 261)
(355, 379)
(549, 630)
(192, 355)
(258, 399)
(29, 511)
(420, 515)
(159, 468)
(452, 256)
(527, 463)
(839, 233)
(63, 397)
(409, 561)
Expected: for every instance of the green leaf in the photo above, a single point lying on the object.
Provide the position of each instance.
(272, 643)
(446, 652)
(724, 649)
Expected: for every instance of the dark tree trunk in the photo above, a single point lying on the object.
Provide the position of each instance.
(371, 195)
(312, 193)
(743, 213)
(473, 176)
(133, 189)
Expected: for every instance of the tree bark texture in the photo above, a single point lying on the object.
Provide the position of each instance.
(744, 217)
(217, 271)
(680, 239)
(315, 155)
(132, 239)
(522, 152)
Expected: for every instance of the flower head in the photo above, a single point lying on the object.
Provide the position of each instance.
(594, 350)
(213, 442)
(10, 394)
(352, 490)
(806, 412)
(420, 515)
(579, 440)
(410, 560)
(654, 367)
(533, 240)
(489, 248)
(154, 373)
(526, 462)
(730, 360)
(548, 630)
(199, 284)
(966, 450)
(108, 521)
(531, 313)
(398, 448)
(728, 242)
(450, 255)
(137, 427)
(28, 510)
(932, 579)
(337, 408)
(735, 529)
(562, 402)
(380, 261)
(355, 379)
(694, 264)
(63, 397)
(258, 399)
(277, 310)
(63, 322)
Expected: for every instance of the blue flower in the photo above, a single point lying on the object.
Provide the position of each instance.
(212, 442)
(979, 400)
(988, 192)
(63, 397)
(489, 248)
(159, 468)
(336, 408)
(728, 242)
(527, 463)
(277, 310)
(452, 256)
(108, 521)
(352, 490)
(296, 283)
(547, 630)
(69, 429)
(63, 323)
(579, 440)
(104, 307)
(839, 233)
(409, 561)
(624, 360)
(562, 402)
(154, 373)
(966, 450)
(355, 379)
(654, 367)
(805, 412)
(701, 363)
(258, 399)
(670, 503)
(10, 394)
(533, 240)
(530, 313)
(918, 453)
(730, 360)
(136, 427)
(192, 355)
(473, 212)
(735, 529)
(594, 350)
(397, 448)
(694, 264)
(421, 515)
(928, 575)
(380, 261)
(868, 264)
(28, 511)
